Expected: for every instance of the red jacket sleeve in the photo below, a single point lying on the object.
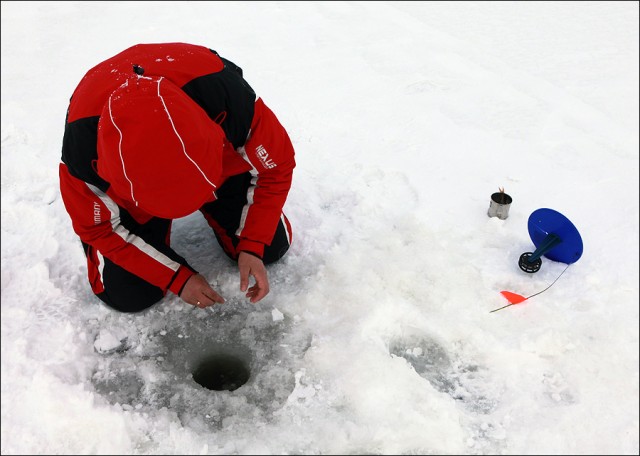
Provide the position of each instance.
(96, 220)
(272, 157)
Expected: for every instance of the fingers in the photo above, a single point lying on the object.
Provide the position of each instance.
(208, 298)
(244, 276)
(256, 293)
(216, 298)
(199, 293)
(249, 265)
(261, 288)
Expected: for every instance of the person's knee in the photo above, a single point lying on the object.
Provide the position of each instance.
(120, 289)
(280, 243)
(126, 292)
(130, 302)
(271, 255)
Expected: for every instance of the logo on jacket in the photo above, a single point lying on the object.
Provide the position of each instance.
(96, 213)
(263, 155)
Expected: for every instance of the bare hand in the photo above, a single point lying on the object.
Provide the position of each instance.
(250, 265)
(199, 293)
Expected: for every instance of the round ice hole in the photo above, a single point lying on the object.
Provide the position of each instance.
(221, 372)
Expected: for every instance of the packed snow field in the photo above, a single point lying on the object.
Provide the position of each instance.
(377, 336)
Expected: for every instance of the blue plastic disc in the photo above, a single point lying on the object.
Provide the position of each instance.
(543, 222)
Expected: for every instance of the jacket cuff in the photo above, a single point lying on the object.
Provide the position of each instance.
(253, 247)
(179, 279)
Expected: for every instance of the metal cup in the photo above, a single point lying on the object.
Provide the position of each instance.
(499, 205)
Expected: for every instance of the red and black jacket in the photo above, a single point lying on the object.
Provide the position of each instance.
(257, 143)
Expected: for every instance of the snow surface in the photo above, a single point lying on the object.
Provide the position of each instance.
(377, 336)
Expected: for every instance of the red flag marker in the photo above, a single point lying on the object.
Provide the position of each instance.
(513, 298)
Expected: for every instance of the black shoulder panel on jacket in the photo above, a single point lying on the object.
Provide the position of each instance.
(79, 150)
(227, 98)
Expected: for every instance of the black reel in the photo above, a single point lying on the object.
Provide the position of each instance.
(526, 265)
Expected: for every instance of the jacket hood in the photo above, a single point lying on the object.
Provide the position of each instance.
(158, 148)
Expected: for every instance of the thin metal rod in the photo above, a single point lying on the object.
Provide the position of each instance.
(551, 283)
(495, 310)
